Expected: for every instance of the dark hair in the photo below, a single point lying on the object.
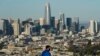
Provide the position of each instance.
(48, 46)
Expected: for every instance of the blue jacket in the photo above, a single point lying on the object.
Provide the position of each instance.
(46, 53)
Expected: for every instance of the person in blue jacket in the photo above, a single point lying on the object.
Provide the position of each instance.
(46, 52)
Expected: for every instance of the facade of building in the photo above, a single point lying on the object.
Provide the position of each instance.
(69, 22)
(62, 19)
(75, 25)
(27, 29)
(41, 21)
(47, 13)
(8, 29)
(52, 22)
(56, 23)
(16, 27)
(1, 26)
(93, 28)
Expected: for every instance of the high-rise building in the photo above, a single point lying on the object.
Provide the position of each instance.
(16, 27)
(27, 29)
(5, 27)
(69, 22)
(24, 23)
(61, 25)
(62, 19)
(75, 25)
(8, 29)
(96, 27)
(82, 27)
(93, 28)
(41, 21)
(99, 26)
(47, 13)
(52, 22)
(1, 26)
(56, 23)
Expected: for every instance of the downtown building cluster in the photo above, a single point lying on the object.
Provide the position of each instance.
(47, 24)
(66, 36)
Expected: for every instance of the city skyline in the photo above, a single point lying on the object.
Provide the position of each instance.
(49, 28)
(24, 9)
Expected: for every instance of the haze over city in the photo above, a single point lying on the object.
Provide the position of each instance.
(23, 9)
(49, 28)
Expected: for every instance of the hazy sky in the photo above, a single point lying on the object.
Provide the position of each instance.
(84, 9)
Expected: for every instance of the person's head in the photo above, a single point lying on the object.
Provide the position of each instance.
(48, 47)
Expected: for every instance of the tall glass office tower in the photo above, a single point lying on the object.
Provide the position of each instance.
(47, 13)
(93, 28)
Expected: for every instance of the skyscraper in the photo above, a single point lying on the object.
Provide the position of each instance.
(93, 28)
(52, 22)
(27, 29)
(77, 24)
(16, 27)
(8, 29)
(68, 22)
(1, 26)
(62, 18)
(47, 14)
(61, 25)
(56, 23)
(41, 21)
